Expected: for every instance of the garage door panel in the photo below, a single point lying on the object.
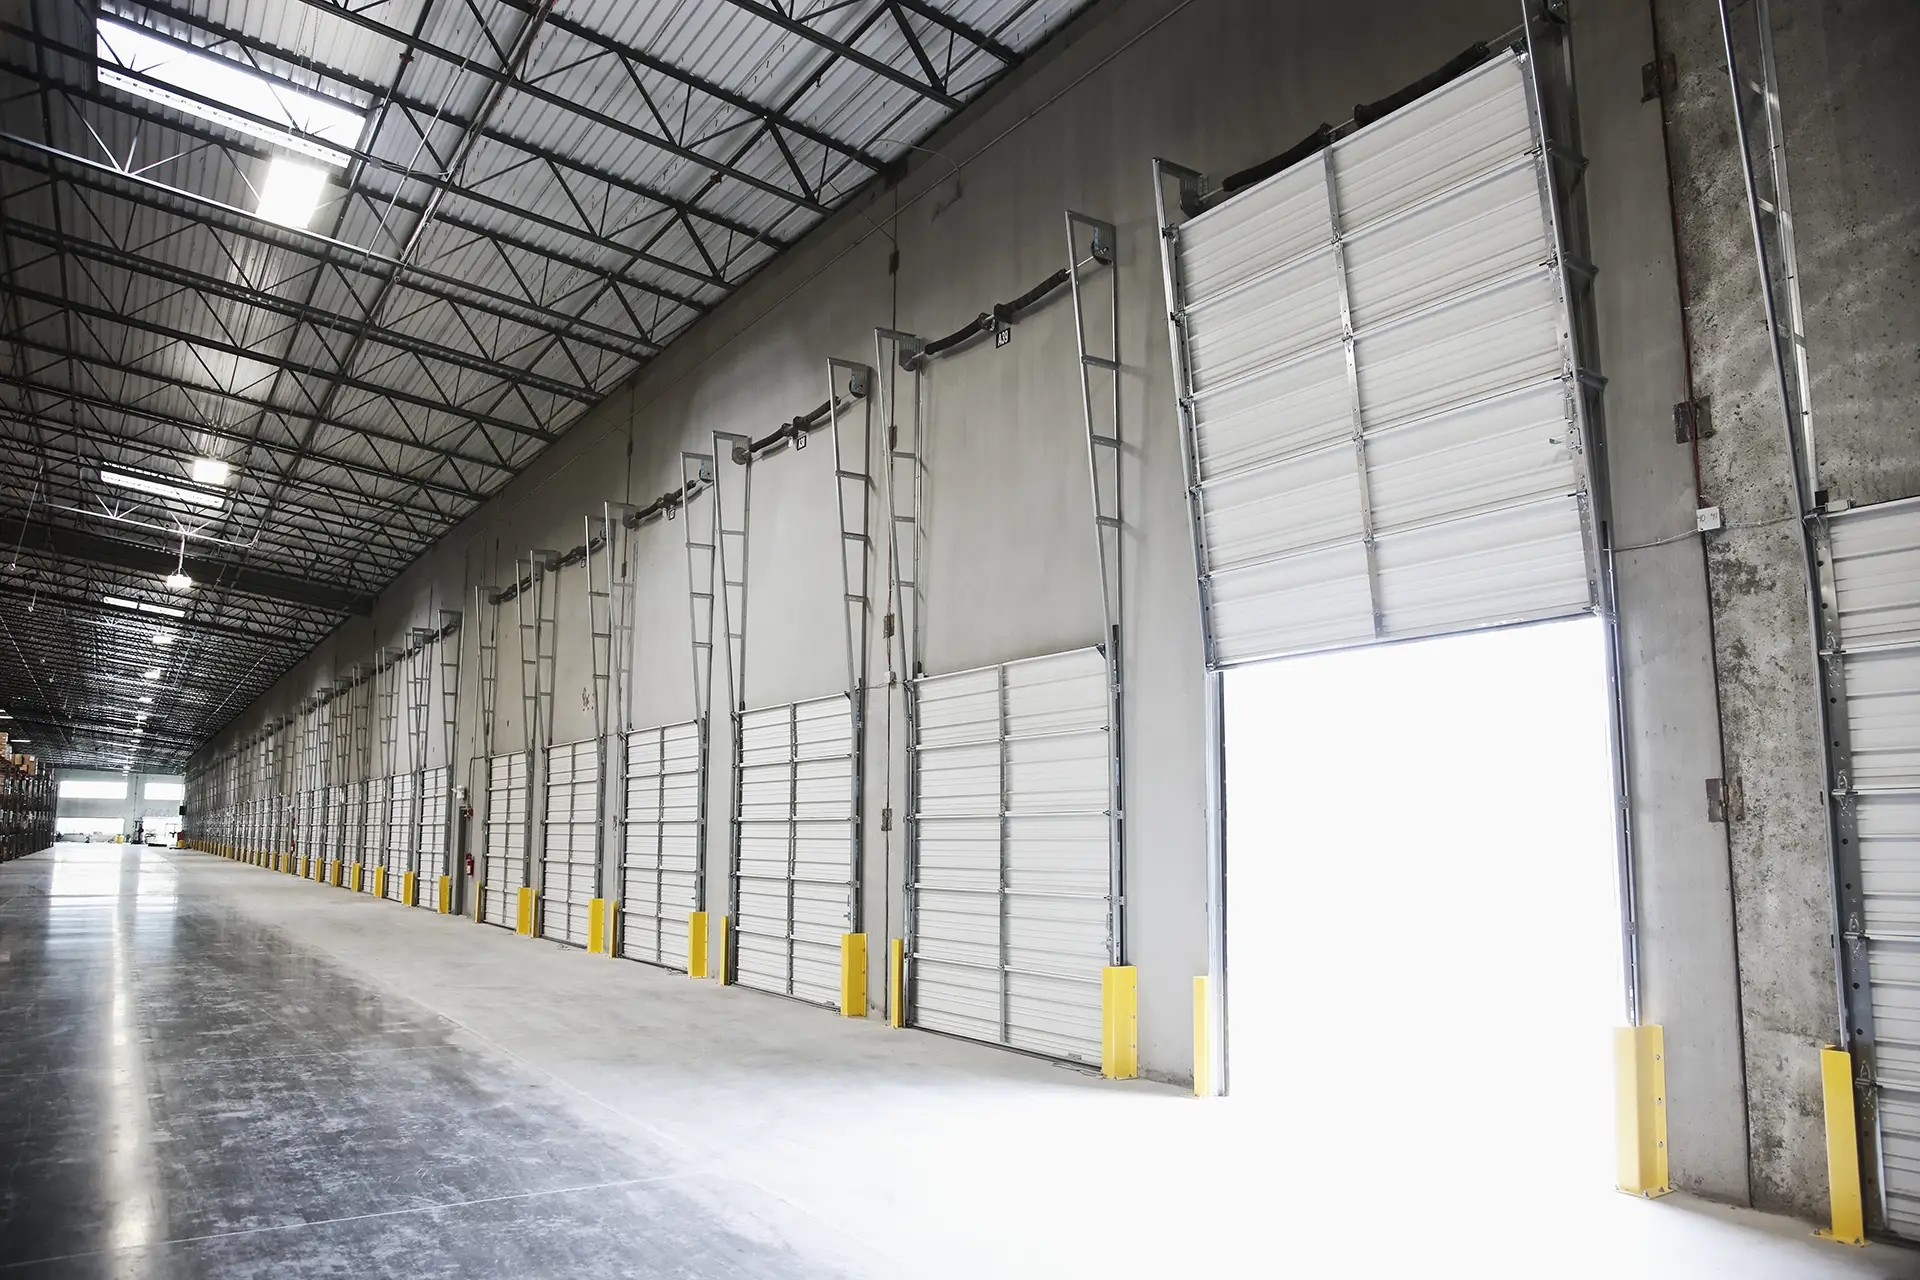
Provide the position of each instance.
(1055, 1016)
(962, 927)
(505, 836)
(963, 708)
(1312, 501)
(1485, 456)
(1268, 318)
(1042, 929)
(766, 791)
(1317, 600)
(1449, 137)
(820, 914)
(570, 840)
(1056, 773)
(1258, 231)
(824, 851)
(1513, 565)
(1481, 232)
(1482, 345)
(959, 1001)
(960, 780)
(760, 962)
(823, 789)
(959, 853)
(1883, 716)
(1057, 855)
(1280, 412)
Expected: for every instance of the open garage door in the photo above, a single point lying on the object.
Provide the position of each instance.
(1872, 615)
(1009, 911)
(1385, 412)
(431, 837)
(569, 862)
(506, 850)
(794, 884)
(659, 864)
(400, 824)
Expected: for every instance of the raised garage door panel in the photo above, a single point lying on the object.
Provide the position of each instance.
(1011, 889)
(373, 826)
(507, 801)
(659, 857)
(336, 833)
(1413, 466)
(400, 824)
(433, 816)
(1876, 570)
(571, 840)
(795, 847)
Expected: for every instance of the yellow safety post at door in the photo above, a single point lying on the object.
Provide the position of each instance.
(358, 877)
(337, 870)
(853, 975)
(596, 926)
(529, 911)
(1843, 1149)
(897, 982)
(721, 967)
(1119, 1022)
(697, 944)
(1640, 1111)
(1202, 1039)
(409, 882)
(379, 882)
(446, 895)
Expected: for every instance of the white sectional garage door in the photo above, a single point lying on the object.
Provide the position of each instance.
(1876, 577)
(400, 825)
(502, 871)
(1010, 895)
(373, 827)
(662, 843)
(431, 840)
(569, 842)
(336, 832)
(795, 847)
(1380, 380)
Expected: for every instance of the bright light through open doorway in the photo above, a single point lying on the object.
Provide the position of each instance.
(1424, 957)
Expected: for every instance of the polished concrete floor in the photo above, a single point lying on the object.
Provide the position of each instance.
(212, 1070)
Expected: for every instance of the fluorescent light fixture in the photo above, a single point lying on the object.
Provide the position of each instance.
(261, 106)
(163, 638)
(146, 697)
(161, 489)
(291, 194)
(151, 673)
(141, 715)
(142, 606)
(211, 471)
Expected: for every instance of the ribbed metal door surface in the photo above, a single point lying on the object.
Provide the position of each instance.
(1009, 898)
(400, 825)
(1386, 430)
(1876, 588)
(336, 832)
(431, 840)
(570, 848)
(506, 839)
(662, 843)
(373, 827)
(795, 877)
(354, 832)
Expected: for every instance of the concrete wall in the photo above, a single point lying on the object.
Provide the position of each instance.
(1849, 102)
(1217, 84)
(136, 806)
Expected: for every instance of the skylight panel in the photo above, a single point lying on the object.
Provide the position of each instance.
(260, 105)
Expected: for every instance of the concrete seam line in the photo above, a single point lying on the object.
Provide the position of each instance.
(1026, 118)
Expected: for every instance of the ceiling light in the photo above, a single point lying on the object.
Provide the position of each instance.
(141, 715)
(151, 673)
(161, 489)
(146, 697)
(291, 194)
(211, 471)
(261, 106)
(163, 638)
(179, 582)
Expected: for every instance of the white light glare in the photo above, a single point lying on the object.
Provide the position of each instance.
(261, 106)
(211, 471)
(151, 673)
(179, 582)
(163, 638)
(143, 607)
(291, 194)
(161, 489)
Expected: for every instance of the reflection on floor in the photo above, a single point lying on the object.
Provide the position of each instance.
(213, 1070)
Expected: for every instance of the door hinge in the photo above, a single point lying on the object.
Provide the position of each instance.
(1725, 803)
(1658, 79)
(886, 819)
(1693, 420)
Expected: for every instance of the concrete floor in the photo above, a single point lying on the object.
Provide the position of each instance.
(213, 1070)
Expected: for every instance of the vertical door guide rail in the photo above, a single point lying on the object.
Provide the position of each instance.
(730, 557)
(1554, 107)
(1771, 221)
(1092, 249)
(697, 473)
(539, 641)
(609, 626)
(487, 620)
(853, 494)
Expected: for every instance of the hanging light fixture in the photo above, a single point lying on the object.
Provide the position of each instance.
(178, 579)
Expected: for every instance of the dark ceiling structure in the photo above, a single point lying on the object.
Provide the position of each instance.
(291, 287)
